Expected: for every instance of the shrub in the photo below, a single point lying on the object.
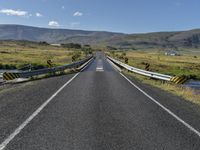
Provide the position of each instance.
(72, 45)
(76, 56)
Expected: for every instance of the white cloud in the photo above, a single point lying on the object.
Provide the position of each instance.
(63, 7)
(11, 12)
(78, 14)
(38, 14)
(53, 24)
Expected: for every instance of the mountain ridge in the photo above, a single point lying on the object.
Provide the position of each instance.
(190, 38)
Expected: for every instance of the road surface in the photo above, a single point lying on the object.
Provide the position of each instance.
(97, 109)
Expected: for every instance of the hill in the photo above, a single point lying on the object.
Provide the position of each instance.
(20, 32)
(189, 38)
(160, 39)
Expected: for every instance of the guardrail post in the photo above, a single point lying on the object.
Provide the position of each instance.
(126, 60)
(147, 66)
(44, 71)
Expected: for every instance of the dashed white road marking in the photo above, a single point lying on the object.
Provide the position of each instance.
(99, 66)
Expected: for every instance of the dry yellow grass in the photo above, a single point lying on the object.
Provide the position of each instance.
(184, 92)
(186, 64)
(17, 53)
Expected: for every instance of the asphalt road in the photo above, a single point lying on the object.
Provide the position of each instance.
(97, 110)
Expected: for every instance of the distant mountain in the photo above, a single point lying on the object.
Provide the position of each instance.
(159, 39)
(20, 32)
(101, 38)
(149, 40)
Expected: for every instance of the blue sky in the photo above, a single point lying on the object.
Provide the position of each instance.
(128, 16)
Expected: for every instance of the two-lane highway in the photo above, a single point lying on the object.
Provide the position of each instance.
(97, 109)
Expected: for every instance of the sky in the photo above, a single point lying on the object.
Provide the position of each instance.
(127, 16)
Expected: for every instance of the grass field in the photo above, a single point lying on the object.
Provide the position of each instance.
(187, 64)
(184, 92)
(19, 53)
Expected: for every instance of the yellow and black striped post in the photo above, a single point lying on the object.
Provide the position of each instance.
(179, 79)
(49, 63)
(10, 76)
(147, 67)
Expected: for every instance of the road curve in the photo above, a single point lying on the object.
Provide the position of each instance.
(97, 110)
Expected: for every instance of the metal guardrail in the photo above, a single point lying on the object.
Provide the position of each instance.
(140, 71)
(176, 79)
(27, 74)
(1, 78)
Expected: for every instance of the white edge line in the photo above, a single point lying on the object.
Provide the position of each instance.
(163, 107)
(85, 64)
(115, 66)
(29, 119)
(35, 113)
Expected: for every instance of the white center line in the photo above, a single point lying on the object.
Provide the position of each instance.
(99, 65)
